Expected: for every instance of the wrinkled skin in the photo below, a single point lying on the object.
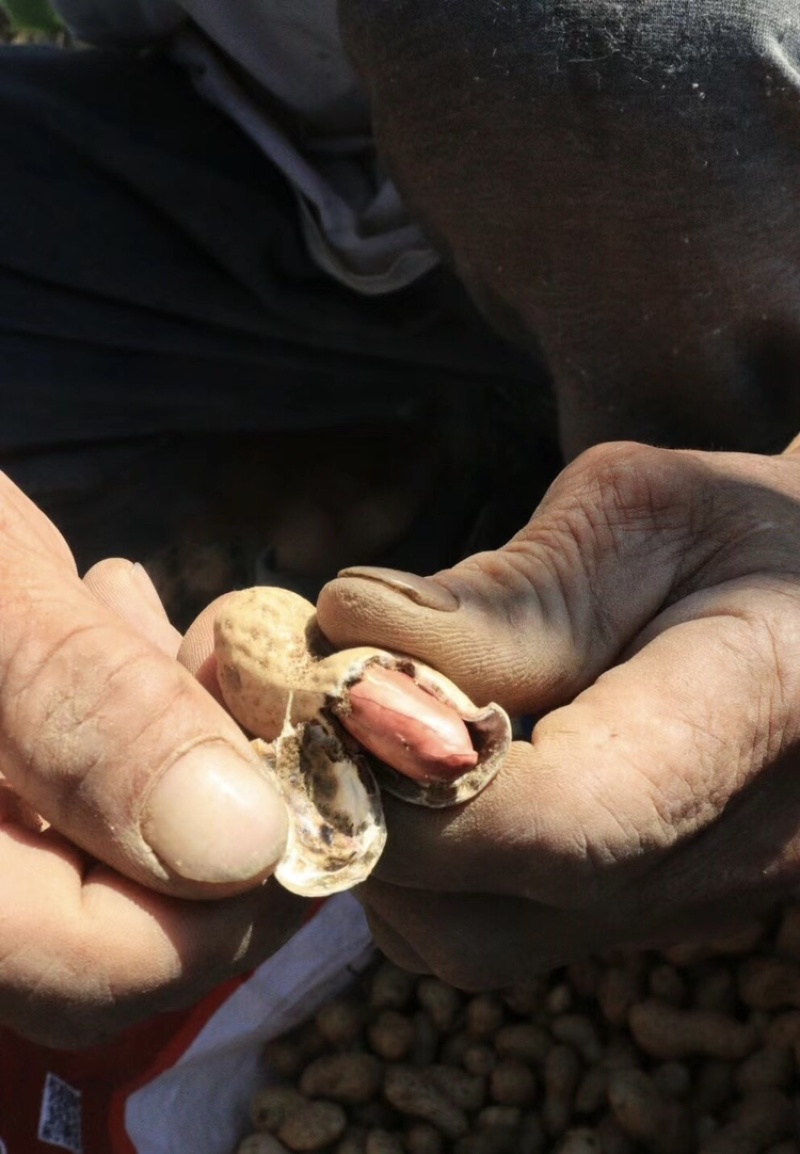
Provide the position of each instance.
(644, 234)
(616, 183)
(107, 914)
(649, 613)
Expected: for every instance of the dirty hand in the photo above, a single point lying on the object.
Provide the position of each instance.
(649, 615)
(128, 799)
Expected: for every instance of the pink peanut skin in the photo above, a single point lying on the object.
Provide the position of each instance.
(407, 728)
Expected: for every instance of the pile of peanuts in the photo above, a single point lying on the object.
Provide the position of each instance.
(690, 1050)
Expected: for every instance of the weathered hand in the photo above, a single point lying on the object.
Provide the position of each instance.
(649, 615)
(129, 801)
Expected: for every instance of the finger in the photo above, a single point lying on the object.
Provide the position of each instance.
(392, 943)
(85, 953)
(112, 741)
(126, 589)
(197, 650)
(14, 810)
(480, 942)
(623, 531)
(475, 941)
(621, 794)
(533, 623)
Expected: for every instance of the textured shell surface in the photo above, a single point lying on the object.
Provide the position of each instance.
(282, 682)
(337, 831)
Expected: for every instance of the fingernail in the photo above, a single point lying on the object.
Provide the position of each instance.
(211, 817)
(144, 583)
(420, 590)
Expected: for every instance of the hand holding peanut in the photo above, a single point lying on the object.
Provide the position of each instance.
(127, 793)
(429, 744)
(649, 617)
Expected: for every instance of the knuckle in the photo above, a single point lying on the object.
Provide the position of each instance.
(625, 485)
(28, 533)
(79, 710)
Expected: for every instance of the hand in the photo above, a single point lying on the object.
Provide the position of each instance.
(649, 614)
(129, 801)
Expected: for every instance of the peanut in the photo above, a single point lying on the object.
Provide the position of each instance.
(392, 1035)
(280, 681)
(712, 1075)
(288, 1056)
(649, 1116)
(375, 1115)
(672, 1078)
(261, 1144)
(579, 1032)
(499, 1116)
(422, 1138)
(580, 1141)
(562, 1071)
(411, 1091)
(441, 1002)
(384, 1142)
(312, 1126)
(761, 1119)
(480, 1058)
(344, 1078)
(406, 726)
(493, 1140)
(592, 1091)
(664, 1031)
(559, 999)
(353, 1142)
(613, 1140)
(769, 1066)
(525, 998)
(528, 1041)
(485, 1015)
(619, 988)
(513, 1083)
(784, 1029)
(769, 983)
(341, 1021)
(667, 985)
(467, 1090)
(391, 988)
(271, 1105)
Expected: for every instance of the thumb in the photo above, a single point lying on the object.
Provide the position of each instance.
(111, 740)
(533, 623)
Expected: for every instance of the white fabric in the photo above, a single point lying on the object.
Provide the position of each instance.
(278, 69)
(201, 1103)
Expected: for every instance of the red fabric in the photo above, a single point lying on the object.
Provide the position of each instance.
(104, 1076)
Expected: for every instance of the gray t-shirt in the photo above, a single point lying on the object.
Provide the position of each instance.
(246, 56)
